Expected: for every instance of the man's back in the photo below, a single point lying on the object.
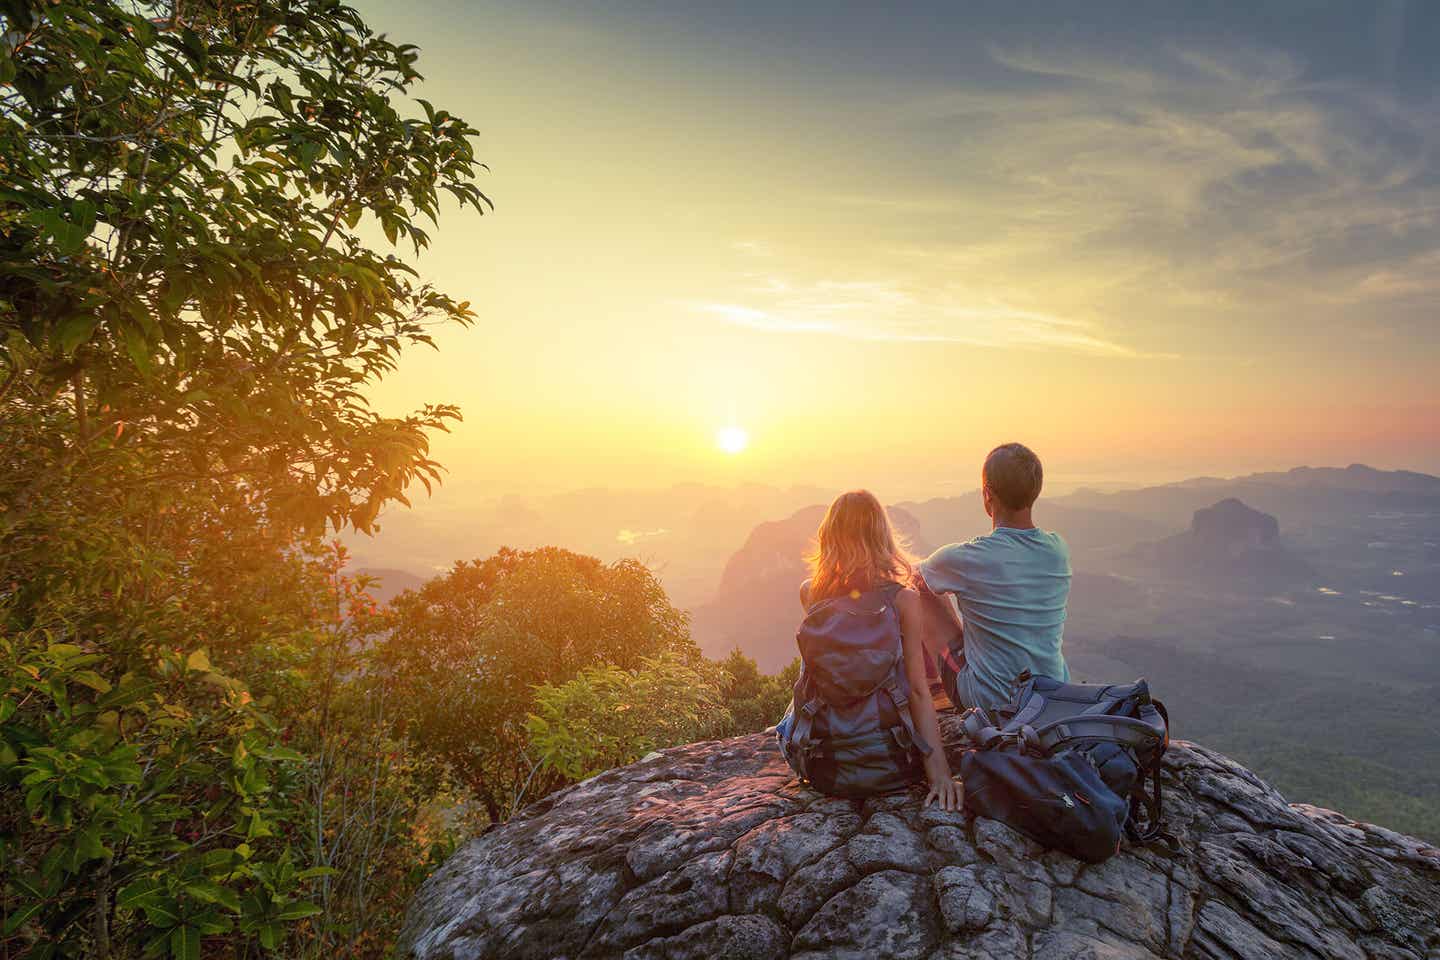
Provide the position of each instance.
(1012, 586)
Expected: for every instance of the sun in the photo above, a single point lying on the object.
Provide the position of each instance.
(732, 439)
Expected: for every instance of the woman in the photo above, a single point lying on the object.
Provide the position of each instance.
(856, 552)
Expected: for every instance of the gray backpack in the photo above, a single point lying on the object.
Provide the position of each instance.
(852, 735)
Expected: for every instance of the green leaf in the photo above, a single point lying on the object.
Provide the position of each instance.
(138, 894)
(207, 892)
(270, 935)
(75, 330)
(17, 919)
(137, 347)
(88, 845)
(198, 660)
(92, 680)
(185, 943)
(128, 692)
(68, 237)
(298, 911)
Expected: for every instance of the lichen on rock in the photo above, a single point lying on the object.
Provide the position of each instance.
(715, 850)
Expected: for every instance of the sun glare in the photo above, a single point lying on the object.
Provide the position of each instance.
(732, 439)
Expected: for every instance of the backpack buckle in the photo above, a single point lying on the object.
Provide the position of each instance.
(978, 729)
(903, 738)
(1028, 741)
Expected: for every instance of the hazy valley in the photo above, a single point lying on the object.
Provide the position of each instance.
(1297, 626)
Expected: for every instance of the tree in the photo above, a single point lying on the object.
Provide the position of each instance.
(754, 700)
(189, 311)
(180, 245)
(464, 653)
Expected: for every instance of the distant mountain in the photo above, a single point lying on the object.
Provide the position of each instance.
(684, 532)
(1228, 544)
(1314, 500)
(391, 583)
(1357, 477)
(758, 603)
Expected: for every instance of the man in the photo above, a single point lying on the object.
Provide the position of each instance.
(1010, 585)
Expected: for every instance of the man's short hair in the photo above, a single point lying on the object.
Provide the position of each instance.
(1014, 475)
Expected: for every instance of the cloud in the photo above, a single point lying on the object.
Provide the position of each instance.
(1102, 71)
(883, 310)
(1145, 202)
(754, 248)
(1207, 172)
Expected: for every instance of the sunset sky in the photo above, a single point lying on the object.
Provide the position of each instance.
(1150, 243)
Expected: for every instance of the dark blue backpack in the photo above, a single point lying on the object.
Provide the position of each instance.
(1067, 764)
(851, 734)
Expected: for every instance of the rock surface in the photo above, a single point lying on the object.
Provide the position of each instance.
(715, 850)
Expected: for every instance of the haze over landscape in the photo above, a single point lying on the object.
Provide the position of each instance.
(766, 255)
(1291, 619)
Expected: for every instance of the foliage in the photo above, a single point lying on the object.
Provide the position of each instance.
(379, 815)
(754, 700)
(148, 799)
(141, 801)
(180, 241)
(607, 717)
(189, 309)
(464, 653)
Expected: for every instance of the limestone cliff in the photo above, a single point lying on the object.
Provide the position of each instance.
(714, 850)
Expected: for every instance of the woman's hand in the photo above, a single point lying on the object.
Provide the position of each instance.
(949, 793)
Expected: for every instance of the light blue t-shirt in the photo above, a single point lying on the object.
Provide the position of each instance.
(1012, 586)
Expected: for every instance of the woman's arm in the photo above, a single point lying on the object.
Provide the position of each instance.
(942, 619)
(914, 628)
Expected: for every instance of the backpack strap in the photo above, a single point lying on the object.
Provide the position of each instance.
(1151, 805)
(907, 723)
(802, 744)
(1123, 730)
(1153, 831)
(905, 733)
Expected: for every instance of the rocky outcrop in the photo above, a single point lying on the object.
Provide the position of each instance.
(714, 850)
(1229, 545)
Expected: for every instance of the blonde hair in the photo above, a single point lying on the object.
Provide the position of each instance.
(856, 548)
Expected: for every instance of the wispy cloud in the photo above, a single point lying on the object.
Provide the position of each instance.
(879, 310)
(1146, 203)
(1207, 171)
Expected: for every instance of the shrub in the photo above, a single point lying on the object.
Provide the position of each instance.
(463, 655)
(607, 717)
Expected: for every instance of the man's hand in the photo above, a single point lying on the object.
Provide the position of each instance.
(949, 793)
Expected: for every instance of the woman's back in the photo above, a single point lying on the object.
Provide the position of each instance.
(855, 729)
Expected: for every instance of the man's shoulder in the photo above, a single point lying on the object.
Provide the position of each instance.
(953, 554)
(1055, 540)
(1003, 543)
